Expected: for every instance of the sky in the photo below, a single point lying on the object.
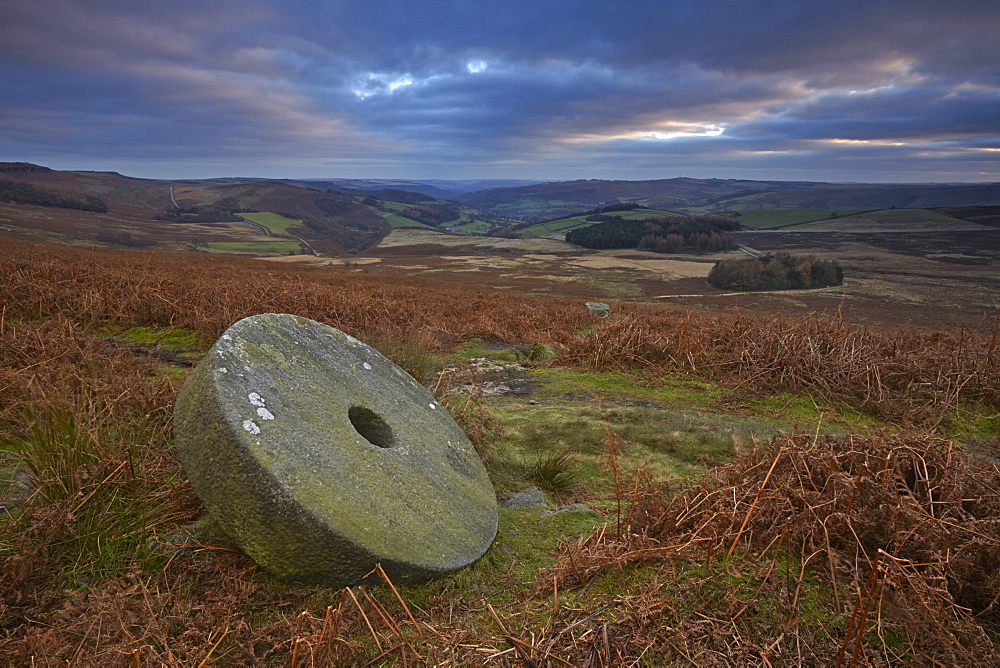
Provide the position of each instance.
(845, 91)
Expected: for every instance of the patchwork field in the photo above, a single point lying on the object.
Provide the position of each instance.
(276, 223)
(923, 279)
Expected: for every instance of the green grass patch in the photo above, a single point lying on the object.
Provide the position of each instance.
(623, 386)
(975, 424)
(526, 543)
(399, 221)
(778, 217)
(278, 224)
(257, 248)
(573, 222)
(474, 226)
(555, 227)
(76, 457)
(669, 428)
(564, 446)
(176, 339)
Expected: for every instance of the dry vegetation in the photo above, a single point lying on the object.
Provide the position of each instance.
(864, 550)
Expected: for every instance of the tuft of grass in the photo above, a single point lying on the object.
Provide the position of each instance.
(417, 352)
(556, 472)
(96, 480)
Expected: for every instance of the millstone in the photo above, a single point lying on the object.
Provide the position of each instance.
(321, 458)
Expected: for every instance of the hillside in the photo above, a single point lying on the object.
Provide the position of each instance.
(560, 226)
(710, 195)
(714, 486)
(435, 188)
(204, 214)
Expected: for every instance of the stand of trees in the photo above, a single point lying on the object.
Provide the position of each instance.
(667, 234)
(17, 192)
(777, 271)
(434, 215)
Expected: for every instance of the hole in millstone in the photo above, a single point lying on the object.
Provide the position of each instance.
(370, 424)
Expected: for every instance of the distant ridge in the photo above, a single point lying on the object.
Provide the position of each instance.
(688, 195)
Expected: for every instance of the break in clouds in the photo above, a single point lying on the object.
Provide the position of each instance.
(853, 91)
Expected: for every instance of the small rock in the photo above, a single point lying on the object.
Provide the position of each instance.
(531, 497)
(573, 507)
(599, 309)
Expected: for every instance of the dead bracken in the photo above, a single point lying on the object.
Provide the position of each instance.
(875, 548)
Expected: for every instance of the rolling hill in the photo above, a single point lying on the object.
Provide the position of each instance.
(88, 207)
(694, 196)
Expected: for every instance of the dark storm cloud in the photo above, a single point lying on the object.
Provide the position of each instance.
(542, 88)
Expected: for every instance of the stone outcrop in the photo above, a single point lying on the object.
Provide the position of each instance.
(599, 309)
(321, 458)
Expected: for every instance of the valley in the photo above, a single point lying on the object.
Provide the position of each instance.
(711, 467)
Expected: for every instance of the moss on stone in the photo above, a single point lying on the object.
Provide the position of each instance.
(263, 427)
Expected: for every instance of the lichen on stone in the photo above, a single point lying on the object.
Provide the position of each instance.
(315, 501)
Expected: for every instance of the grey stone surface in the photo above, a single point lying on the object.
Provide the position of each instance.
(531, 497)
(321, 458)
(572, 508)
(597, 308)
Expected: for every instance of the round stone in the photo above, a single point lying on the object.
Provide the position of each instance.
(321, 458)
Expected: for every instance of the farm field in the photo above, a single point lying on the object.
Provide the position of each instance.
(558, 228)
(780, 217)
(278, 224)
(888, 221)
(934, 280)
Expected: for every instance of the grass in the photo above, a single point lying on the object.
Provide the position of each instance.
(555, 472)
(684, 562)
(629, 386)
(396, 221)
(554, 227)
(780, 217)
(416, 352)
(278, 224)
(176, 339)
(665, 443)
(574, 222)
(893, 220)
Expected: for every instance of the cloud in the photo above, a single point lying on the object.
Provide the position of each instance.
(547, 86)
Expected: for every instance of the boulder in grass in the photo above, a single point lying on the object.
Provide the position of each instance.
(599, 309)
(321, 458)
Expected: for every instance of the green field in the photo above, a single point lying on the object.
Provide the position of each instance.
(471, 223)
(258, 248)
(476, 227)
(399, 221)
(779, 217)
(893, 220)
(573, 222)
(276, 223)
